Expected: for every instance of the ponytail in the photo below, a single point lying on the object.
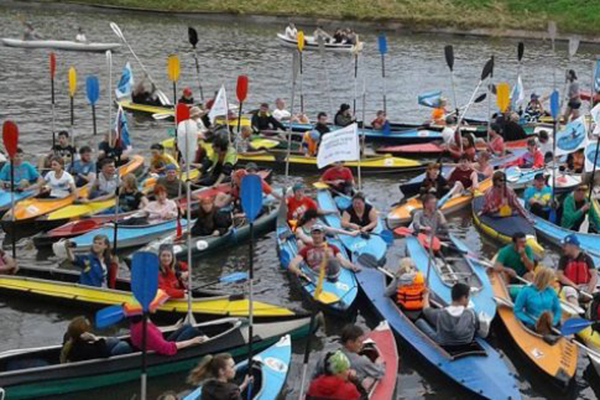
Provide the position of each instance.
(208, 367)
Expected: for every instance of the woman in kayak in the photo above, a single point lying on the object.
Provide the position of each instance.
(185, 336)
(537, 305)
(130, 197)
(434, 182)
(305, 224)
(380, 122)
(468, 148)
(162, 209)
(335, 382)
(344, 117)
(483, 166)
(496, 143)
(216, 374)
(360, 216)
(98, 268)
(59, 183)
(501, 200)
(533, 157)
(210, 221)
(574, 97)
(172, 274)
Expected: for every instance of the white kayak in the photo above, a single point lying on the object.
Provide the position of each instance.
(310, 43)
(60, 45)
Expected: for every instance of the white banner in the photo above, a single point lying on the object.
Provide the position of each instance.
(518, 95)
(126, 83)
(595, 112)
(187, 139)
(590, 156)
(219, 107)
(340, 145)
(572, 138)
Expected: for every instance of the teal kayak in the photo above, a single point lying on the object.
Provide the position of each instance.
(6, 198)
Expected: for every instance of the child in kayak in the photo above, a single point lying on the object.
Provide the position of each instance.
(334, 383)
(172, 274)
(216, 373)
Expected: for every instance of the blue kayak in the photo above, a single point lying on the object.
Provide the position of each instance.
(342, 293)
(372, 244)
(519, 178)
(450, 266)
(6, 198)
(269, 369)
(478, 367)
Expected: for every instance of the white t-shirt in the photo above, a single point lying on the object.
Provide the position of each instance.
(59, 187)
(290, 32)
(448, 135)
(281, 115)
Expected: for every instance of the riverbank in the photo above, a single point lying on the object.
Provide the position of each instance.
(486, 17)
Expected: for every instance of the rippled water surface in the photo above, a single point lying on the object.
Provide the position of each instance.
(415, 64)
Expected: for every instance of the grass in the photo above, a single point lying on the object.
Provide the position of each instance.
(572, 16)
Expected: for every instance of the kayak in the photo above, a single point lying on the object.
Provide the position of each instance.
(61, 286)
(371, 244)
(558, 361)
(29, 209)
(52, 378)
(435, 150)
(402, 214)
(6, 198)
(60, 45)
(341, 295)
(269, 370)
(310, 43)
(380, 342)
(477, 367)
(449, 266)
(521, 178)
(502, 229)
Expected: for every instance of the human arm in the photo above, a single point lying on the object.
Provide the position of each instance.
(276, 124)
(10, 265)
(294, 266)
(500, 265)
(222, 222)
(346, 222)
(560, 273)
(372, 221)
(346, 263)
(392, 288)
(538, 160)
(334, 231)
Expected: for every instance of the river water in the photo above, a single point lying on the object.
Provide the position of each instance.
(414, 64)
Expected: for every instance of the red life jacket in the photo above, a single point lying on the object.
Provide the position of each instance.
(577, 270)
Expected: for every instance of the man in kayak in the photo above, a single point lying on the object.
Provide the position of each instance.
(516, 259)
(84, 169)
(171, 182)
(105, 184)
(456, 324)
(322, 124)
(533, 157)
(429, 218)
(576, 271)
(280, 113)
(291, 31)
(141, 95)
(538, 197)
(188, 96)
(575, 208)
(463, 177)
(360, 215)
(109, 148)
(264, 121)
(299, 203)
(501, 201)
(233, 197)
(159, 160)
(26, 177)
(344, 117)
(62, 150)
(30, 32)
(313, 255)
(339, 178)
(219, 166)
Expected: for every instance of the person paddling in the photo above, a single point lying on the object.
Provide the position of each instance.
(501, 200)
(263, 120)
(576, 271)
(533, 157)
(516, 259)
(434, 182)
(574, 208)
(360, 216)
(429, 217)
(339, 178)
(463, 177)
(538, 197)
(59, 183)
(303, 228)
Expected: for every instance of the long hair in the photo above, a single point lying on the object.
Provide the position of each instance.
(77, 327)
(544, 276)
(106, 255)
(208, 367)
(168, 248)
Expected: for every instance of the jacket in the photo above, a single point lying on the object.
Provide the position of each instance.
(531, 303)
(332, 388)
(170, 281)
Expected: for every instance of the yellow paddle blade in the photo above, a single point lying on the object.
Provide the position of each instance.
(320, 185)
(327, 298)
(72, 81)
(535, 246)
(300, 38)
(503, 96)
(173, 67)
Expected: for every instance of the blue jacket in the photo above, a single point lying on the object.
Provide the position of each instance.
(92, 272)
(532, 303)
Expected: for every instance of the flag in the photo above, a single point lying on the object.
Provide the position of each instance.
(597, 78)
(340, 145)
(518, 95)
(572, 138)
(590, 156)
(430, 99)
(595, 113)
(125, 83)
(122, 129)
(219, 107)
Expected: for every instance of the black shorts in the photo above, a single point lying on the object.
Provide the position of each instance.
(574, 105)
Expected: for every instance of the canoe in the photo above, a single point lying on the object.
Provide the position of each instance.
(61, 286)
(402, 214)
(344, 291)
(435, 150)
(519, 179)
(381, 342)
(225, 335)
(502, 229)
(356, 245)
(27, 210)
(477, 368)
(269, 369)
(60, 45)
(451, 266)
(310, 43)
(557, 361)
(6, 198)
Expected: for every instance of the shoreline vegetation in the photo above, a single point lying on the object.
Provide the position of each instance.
(503, 18)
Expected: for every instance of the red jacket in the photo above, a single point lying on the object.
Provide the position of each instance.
(528, 160)
(170, 283)
(332, 388)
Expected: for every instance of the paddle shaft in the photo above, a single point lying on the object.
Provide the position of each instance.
(289, 130)
(174, 92)
(382, 83)
(53, 111)
(355, 84)
(12, 201)
(301, 86)
(109, 89)
(144, 352)
(117, 198)
(198, 75)
(362, 138)
(462, 116)
(239, 124)
(188, 192)
(593, 173)
(94, 118)
(251, 306)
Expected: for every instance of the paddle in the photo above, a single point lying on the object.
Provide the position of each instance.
(109, 91)
(93, 93)
(503, 96)
(231, 278)
(383, 49)
(574, 325)
(296, 57)
(489, 103)
(193, 38)
(52, 76)
(109, 316)
(241, 92)
(10, 136)
(252, 201)
(163, 98)
(554, 110)
(173, 72)
(552, 34)
(300, 39)
(585, 225)
(72, 90)
(449, 55)
(321, 44)
(144, 284)
(355, 53)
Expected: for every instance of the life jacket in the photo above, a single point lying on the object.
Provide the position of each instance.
(577, 271)
(310, 143)
(410, 297)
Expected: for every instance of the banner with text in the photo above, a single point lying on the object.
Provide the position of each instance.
(340, 145)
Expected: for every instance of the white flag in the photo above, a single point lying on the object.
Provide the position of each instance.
(219, 107)
(340, 145)
(590, 156)
(595, 112)
(572, 138)
(518, 95)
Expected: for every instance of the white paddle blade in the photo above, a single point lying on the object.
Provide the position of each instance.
(573, 45)
(552, 29)
(117, 30)
(187, 139)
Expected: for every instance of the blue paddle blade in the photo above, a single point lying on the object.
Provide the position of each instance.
(144, 277)
(235, 277)
(387, 236)
(554, 104)
(109, 316)
(92, 89)
(342, 202)
(251, 195)
(382, 40)
(574, 325)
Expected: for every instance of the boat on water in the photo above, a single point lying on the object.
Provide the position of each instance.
(433, 149)
(310, 43)
(61, 45)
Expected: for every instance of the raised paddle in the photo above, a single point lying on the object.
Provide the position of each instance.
(321, 44)
(52, 76)
(193, 38)
(241, 92)
(554, 111)
(295, 70)
(109, 316)
(355, 52)
(449, 56)
(10, 136)
(552, 34)
(109, 91)
(301, 39)
(92, 86)
(383, 49)
(72, 90)
(173, 72)
(585, 225)
(503, 96)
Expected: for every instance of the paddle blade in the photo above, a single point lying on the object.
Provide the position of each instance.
(72, 81)
(387, 236)
(109, 316)
(300, 38)
(480, 98)
(92, 86)
(52, 65)
(182, 112)
(241, 89)
(520, 50)
(117, 30)
(173, 67)
(251, 195)
(574, 325)
(382, 42)
(403, 231)
(144, 277)
(554, 104)
(503, 96)
(449, 54)
(236, 277)
(573, 45)
(10, 135)
(488, 68)
(193, 36)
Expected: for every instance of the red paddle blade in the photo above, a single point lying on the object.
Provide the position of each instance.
(425, 241)
(242, 88)
(182, 112)
(403, 231)
(10, 135)
(52, 65)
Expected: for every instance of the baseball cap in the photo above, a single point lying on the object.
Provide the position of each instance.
(540, 176)
(298, 186)
(317, 227)
(571, 239)
(171, 167)
(251, 167)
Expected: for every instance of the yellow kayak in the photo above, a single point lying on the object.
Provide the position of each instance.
(79, 210)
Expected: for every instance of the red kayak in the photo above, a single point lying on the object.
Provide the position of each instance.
(381, 343)
(435, 150)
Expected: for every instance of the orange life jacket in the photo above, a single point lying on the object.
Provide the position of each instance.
(311, 144)
(410, 297)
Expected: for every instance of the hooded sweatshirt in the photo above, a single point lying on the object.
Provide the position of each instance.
(332, 388)
(455, 325)
(213, 389)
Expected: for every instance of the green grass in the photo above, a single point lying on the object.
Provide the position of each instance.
(572, 16)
